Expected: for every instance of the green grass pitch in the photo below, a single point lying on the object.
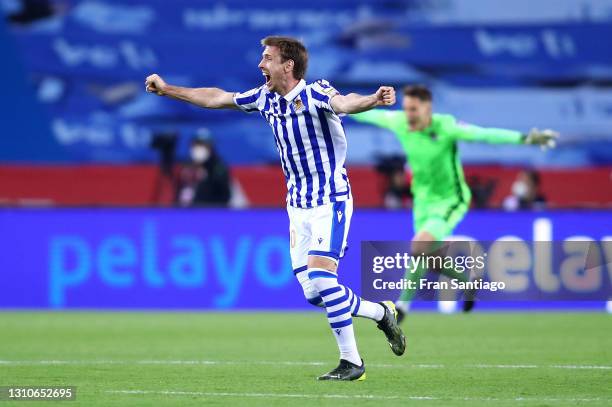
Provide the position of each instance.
(272, 359)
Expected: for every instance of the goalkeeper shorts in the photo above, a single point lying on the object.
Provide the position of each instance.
(439, 218)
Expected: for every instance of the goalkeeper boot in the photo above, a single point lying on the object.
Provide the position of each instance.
(469, 298)
(346, 371)
(389, 325)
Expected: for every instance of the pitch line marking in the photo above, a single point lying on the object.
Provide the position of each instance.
(198, 362)
(347, 396)
(271, 395)
(584, 367)
(288, 363)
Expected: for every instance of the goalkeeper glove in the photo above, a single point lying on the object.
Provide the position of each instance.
(544, 138)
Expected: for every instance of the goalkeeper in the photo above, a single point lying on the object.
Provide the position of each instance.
(441, 195)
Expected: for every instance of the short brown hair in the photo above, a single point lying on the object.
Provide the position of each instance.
(290, 48)
(420, 92)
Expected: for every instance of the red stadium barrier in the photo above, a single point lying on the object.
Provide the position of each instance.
(263, 185)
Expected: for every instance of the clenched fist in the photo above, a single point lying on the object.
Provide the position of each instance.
(155, 84)
(385, 96)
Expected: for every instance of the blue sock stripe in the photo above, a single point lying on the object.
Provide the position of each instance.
(329, 291)
(300, 269)
(358, 304)
(315, 301)
(350, 293)
(340, 324)
(332, 298)
(352, 302)
(353, 296)
(334, 314)
(336, 301)
(321, 274)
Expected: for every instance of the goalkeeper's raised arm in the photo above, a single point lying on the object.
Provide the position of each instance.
(210, 98)
(544, 138)
(417, 117)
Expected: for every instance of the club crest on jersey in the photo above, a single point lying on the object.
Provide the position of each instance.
(297, 104)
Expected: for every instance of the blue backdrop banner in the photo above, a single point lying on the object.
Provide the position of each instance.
(211, 259)
(77, 75)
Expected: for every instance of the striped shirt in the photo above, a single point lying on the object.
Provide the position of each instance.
(310, 140)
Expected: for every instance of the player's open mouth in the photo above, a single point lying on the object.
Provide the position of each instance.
(267, 77)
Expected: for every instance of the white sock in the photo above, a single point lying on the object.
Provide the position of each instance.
(364, 308)
(336, 299)
(371, 310)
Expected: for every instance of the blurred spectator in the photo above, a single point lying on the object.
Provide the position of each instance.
(525, 192)
(205, 181)
(482, 189)
(164, 142)
(397, 192)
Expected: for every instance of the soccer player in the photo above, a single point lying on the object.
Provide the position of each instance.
(441, 197)
(311, 142)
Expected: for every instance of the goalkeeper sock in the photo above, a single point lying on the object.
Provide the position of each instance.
(336, 298)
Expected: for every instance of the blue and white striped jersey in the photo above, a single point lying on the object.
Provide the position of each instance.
(310, 140)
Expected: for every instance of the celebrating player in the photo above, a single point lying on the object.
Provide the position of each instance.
(312, 144)
(441, 195)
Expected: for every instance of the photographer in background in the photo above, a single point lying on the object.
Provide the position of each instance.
(205, 180)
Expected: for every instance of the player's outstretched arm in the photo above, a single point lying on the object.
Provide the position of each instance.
(355, 103)
(210, 98)
(543, 138)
